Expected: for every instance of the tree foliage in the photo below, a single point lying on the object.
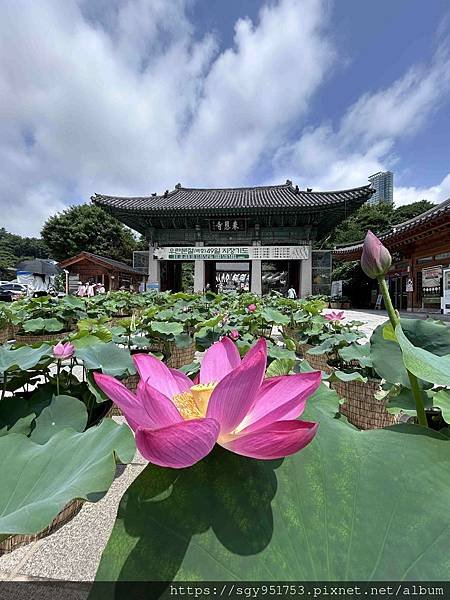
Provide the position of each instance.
(14, 248)
(376, 217)
(88, 228)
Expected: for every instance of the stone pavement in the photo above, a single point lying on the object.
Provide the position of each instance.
(73, 552)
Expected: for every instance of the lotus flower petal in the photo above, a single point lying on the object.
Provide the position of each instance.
(183, 381)
(274, 441)
(154, 371)
(235, 394)
(131, 408)
(281, 398)
(161, 411)
(260, 346)
(180, 445)
(221, 358)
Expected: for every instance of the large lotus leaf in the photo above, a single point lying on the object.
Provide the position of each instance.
(25, 357)
(387, 358)
(280, 366)
(74, 302)
(107, 357)
(183, 340)
(271, 315)
(40, 324)
(400, 399)
(37, 481)
(169, 329)
(422, 363)
(23, 425)
(63, 411)
(441, 399)
(350, 506)
(358, 352)
(429, 335)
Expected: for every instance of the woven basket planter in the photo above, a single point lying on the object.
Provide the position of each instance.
(180, 356)
(360, 406)
(291, 333)
(66, 515)
(176, 357)
(318, 362)
(6, 334)
(40, 339)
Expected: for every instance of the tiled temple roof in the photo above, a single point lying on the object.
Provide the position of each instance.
(284, 196)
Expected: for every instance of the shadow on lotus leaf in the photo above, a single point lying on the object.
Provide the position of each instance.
(226, 495)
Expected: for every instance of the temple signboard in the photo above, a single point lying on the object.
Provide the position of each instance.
(232, 253)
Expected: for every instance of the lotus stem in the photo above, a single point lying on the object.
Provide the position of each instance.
(394, 319)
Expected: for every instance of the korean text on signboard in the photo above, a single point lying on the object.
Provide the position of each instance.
(232, 253)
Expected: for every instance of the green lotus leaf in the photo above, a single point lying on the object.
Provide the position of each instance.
(39, 480)
(280, 366)
(422, 363)
(358, 352)
(271, 315)
(168, 329)
(341, 509)
(106, 357)
(45, 325)
(25, 357)
(63, 411)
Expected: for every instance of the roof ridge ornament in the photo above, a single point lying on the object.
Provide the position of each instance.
(288, 182)
(178, 186)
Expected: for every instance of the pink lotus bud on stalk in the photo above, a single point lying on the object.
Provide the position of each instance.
(234, 334)
(62, 351)
(251, 308)
(376, 259)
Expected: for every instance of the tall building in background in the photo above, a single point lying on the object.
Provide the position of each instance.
(383, 183)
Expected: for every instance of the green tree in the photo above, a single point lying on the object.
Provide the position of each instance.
(376, 217)
(88, 228)
(409, 211)
(14, 248)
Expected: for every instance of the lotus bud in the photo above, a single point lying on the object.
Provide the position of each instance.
(234, 334)
(251, 308)
(376, 259)
(62, 351)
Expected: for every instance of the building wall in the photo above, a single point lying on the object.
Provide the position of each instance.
(419, 256)
(383, 183)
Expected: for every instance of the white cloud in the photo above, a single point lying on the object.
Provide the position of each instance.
(122, 97)
(363, 142)
(435, 193)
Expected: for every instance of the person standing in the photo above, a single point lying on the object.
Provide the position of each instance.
(81, 291)
(291, 293)
(90, 290)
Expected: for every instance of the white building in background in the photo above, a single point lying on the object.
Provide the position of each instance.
(383, 183)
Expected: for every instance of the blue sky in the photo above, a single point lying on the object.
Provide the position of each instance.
(132, 96)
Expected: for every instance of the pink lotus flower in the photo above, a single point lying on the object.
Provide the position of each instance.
(234, 334)
(176, 423)
(375, 258)
(62, 351)
(335, 315)
(251, 308)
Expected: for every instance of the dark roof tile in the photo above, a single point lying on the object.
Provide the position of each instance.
(196, 199)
